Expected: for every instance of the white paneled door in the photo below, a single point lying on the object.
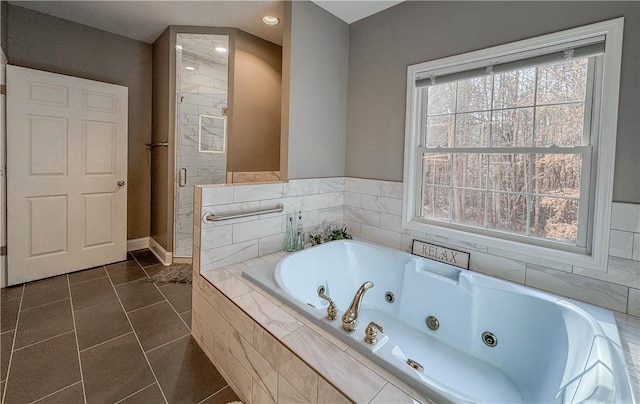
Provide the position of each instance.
(66, 174)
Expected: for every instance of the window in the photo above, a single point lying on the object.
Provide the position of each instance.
(515, 144)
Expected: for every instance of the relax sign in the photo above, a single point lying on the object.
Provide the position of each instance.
(438, 253)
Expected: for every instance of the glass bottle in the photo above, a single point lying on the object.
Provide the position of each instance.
(299, 236)
(289, 236)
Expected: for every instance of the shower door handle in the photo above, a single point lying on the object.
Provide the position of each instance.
(182, 178)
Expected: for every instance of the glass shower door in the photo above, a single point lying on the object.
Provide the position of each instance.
(201, 152)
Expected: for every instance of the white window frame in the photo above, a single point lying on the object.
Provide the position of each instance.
(604, 128)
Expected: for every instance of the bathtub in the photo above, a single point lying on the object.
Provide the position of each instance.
(548, 349)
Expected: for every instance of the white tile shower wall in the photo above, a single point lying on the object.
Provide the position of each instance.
(202, 92)
(232, 241)
(372, 211)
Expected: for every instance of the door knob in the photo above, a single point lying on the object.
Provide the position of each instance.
(121, 183)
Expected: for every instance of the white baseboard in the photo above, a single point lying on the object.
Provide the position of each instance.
(137, 243)
(165, 257)
(3, 271)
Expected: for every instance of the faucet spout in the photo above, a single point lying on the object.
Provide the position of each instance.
(350, 316)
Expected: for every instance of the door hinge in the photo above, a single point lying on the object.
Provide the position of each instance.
(3, 88)
(3, 251)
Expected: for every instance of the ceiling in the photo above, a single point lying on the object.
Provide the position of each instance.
(353, 10)
(146, 20)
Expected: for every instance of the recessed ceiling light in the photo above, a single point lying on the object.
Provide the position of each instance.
(189, 68)
(270, 20)
(221, 49)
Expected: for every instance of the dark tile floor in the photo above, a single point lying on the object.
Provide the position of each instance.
(104, 335)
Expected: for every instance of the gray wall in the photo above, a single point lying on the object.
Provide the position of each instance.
(383, 45)
(43, 42)
(318, 91)
(4, 26)
(161, 228)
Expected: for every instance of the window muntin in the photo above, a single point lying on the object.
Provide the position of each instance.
(508, 153)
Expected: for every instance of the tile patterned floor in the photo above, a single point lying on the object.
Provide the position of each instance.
(104, 335)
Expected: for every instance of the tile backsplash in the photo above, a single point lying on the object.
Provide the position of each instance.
(372, 210)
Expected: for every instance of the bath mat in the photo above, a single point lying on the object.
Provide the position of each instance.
(174, 273)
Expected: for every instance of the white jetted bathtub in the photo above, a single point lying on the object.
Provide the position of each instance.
(547, 349)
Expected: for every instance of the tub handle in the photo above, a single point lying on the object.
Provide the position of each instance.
(371, 333)
(332, 310)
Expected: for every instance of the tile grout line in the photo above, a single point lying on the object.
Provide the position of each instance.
(145, 307)
(136, 335)
(144, 266)
(44, 340)
(206, 398)
(104, 268)
(167, 343)
(13, 344)
(134, 393)
(138, 262)
(55, 392)
(149, 266)
(46, 304)
(75, 334)
(106, 342)
(135, 280)
(174, 309)
(88, 280)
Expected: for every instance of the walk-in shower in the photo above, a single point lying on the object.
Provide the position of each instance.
(202, 86)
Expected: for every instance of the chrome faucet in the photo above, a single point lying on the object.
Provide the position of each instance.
(350, 316)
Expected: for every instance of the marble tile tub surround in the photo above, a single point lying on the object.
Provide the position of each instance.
(217, 244)
(372, 210)
(269, 353)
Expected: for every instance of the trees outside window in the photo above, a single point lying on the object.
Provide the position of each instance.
(527, 192)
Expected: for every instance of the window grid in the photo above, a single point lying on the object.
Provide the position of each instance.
(528, 193)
